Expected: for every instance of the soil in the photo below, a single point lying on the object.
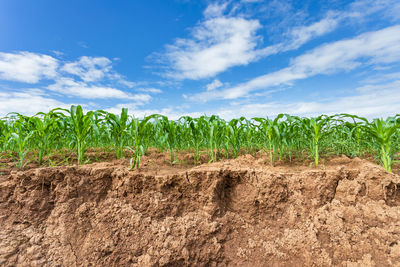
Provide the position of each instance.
(238, 212)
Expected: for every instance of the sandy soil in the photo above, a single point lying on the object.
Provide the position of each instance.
(238, 212)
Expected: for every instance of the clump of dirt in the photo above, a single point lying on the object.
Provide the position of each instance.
(237, 212)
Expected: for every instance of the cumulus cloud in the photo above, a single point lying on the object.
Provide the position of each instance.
(92, 70)
(221, 42)
(70, 87)
(137, 112)
(302, 34)
(251, 1)
(121, 80)
(362, 8)
(215, 9)
(88, 77)
(27, 102)
(214, 85)
(27, 67)
(225, 38)
(150, 90)
(370, 101)
(216, 45)
(393, 86)
(89, 69)
(372, 48)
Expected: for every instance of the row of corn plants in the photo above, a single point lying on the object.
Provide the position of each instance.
(283, 137)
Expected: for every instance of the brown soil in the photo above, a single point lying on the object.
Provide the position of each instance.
(238, 212)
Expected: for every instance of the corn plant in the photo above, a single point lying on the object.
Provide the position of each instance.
(248, 135)
(315, 129)
(383, 131)
(138, 133)
(347, 135)
(80, 125)
(288, 135)
(196, 126)
(232, 136)
(20, 140)
(44, 130)
(118, 127)
(4, 134)
(212, 135)
(170, 128)
(270, 130)
(101, 132)
(61, 131)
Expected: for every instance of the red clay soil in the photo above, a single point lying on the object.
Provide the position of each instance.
(232, 213)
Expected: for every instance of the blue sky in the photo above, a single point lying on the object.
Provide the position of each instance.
(181, 57)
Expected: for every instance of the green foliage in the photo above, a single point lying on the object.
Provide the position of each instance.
(19, 139)
(270, 130)
(79, 126)
(170, 128)
(44, 130)
(383, 132)
(315, 129)
(118, 127)
(284, 137)
(139, 132)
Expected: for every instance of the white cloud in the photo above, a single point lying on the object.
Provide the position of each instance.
(57, 53)
(215, 9)
(393, 86)
(89, 69)
(121, 79)
(355, 12)
(171, 113)
(217, 44)
(95, 69)
(362, 8)
(301, 35)
(124, 82)
(27, 67)
(28, 102)
(224, 41)
(214, 85)
(227, 38)
(371, 102)
(381, 77)
(378, 47)
(83, 44)
(381, 46)
(140, 98)
(221, 42)
(30, 67)
(96, 73)
(150, 90)
(69, 87)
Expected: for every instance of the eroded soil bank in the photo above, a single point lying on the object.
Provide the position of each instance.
(232, 213)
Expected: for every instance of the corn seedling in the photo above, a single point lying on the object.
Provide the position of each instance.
(383, 131)
(138, 132)
(118, 127)
(61, 131)
(315, 129)
(80, 125)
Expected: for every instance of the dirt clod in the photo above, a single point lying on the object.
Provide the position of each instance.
(237, 212)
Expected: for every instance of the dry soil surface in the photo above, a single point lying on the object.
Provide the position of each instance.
(237, 212)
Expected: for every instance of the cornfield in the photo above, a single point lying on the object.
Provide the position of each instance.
(283, 138)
